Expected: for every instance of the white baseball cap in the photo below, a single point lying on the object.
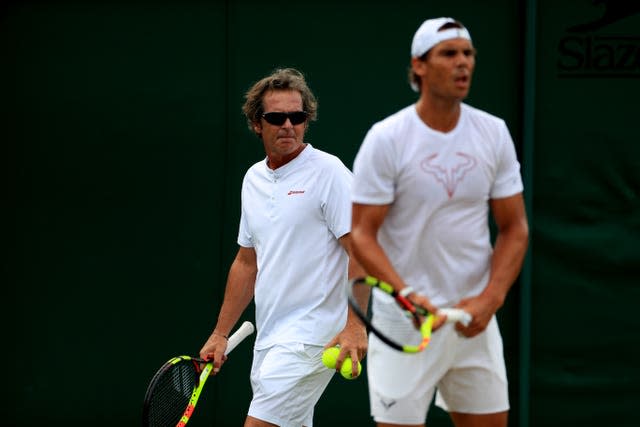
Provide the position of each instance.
(428, 35)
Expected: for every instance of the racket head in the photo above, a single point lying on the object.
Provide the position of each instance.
(406, 309)
(170, 391)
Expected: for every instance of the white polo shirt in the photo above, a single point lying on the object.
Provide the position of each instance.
(436, 232)
(293, 217)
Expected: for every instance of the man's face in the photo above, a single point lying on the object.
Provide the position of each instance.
(446, 71)
(281, 142)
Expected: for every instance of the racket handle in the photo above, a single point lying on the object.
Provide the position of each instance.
(241, 333)
(456, 315)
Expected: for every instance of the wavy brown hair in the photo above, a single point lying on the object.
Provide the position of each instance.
(280, 79)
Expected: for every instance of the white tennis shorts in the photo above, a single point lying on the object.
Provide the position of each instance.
(469, 375)
(287, 382)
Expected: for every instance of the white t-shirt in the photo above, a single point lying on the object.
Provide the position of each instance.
(293, 217)
(436, 232)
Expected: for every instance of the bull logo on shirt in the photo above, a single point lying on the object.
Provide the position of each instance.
(449, 175)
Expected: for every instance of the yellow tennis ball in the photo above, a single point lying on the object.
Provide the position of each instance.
(345, 371)
(329, 357)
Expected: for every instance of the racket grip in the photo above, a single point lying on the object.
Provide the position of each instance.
(241, 333)
(456, 315)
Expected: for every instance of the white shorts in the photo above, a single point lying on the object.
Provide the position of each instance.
(287, 382)
(468, 373)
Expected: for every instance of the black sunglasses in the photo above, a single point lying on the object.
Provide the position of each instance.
(278, 118)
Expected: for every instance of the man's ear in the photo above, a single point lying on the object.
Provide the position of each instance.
(257, 128)
(418, 66)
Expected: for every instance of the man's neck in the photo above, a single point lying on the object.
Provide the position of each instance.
(440, 115)
(274, 161)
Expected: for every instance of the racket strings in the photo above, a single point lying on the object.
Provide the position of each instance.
(171, 394)
(393, 319)
(390, 319)
(397, 324)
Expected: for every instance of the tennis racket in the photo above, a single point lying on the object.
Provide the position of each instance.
(174, 390)
(421, 318)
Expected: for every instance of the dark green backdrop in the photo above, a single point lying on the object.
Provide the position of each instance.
(586, 228)
(123, 150)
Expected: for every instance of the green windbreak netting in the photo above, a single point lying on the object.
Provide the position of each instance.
(586, 230)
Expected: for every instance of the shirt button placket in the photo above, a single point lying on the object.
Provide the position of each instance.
(272, 202)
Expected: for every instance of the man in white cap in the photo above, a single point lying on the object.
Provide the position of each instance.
(425, 180)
